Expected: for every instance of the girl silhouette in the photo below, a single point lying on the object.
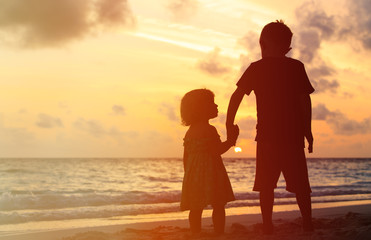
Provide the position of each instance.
(205, 178)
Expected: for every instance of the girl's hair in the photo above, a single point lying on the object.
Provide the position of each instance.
(192, 106)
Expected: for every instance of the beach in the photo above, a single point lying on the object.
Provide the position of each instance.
(76, 199)
(351, 220)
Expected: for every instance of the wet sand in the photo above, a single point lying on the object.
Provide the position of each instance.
(340, 223)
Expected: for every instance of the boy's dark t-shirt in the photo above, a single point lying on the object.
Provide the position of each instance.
(278, 84)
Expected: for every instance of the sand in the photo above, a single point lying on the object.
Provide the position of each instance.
(340, 223)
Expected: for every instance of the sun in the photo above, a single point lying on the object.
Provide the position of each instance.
(237, 149)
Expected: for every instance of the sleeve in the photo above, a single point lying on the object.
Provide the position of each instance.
(214, 135)
(246, 81)
(307, 87)
(214, 140)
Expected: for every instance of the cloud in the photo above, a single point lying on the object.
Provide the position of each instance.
(46, 121)
(309, 44)
(40, 23)
(212, 64)
(321, 112)
(247, 127)
(113, 12)
(23, 111)
(181, 9)
(315, 26)
(119, 135)
(314, 17)
(92, 127)
(118, 110)
(322, 71)
(250, 41)
(15, 137)
(322, 78)
(63, 105)
(360, 22)
(345, 126)
(340, 123)
(169, 111)
(322, 85)
(96, 129)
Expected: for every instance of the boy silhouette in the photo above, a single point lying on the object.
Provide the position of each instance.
(282, 89)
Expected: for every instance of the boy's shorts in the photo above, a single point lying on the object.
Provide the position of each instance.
(273, 158)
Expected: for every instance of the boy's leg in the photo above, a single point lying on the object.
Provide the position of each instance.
(266, 206)
(295, 172)
(219, 218)
(305, 205)
(268, 171)
(195, 220)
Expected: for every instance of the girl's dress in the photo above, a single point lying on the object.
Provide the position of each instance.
(205, 178)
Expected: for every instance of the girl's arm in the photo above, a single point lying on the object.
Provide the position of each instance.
(185, 155)
(221, 147)
(224, 146)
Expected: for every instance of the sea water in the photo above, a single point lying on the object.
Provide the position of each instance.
(39, 193)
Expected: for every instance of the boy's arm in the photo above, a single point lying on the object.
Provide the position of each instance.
(233, 106)
(232, 130)
(307, 117)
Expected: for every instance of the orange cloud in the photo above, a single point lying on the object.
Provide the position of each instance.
(213, 64)
(340, 123)
(46, 121)
(183, 8)
(40, 23)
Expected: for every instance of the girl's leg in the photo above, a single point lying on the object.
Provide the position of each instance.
(195, 220)
(219, 218)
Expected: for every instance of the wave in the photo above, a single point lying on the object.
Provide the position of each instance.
(30, 200)
(43, 200)
(113, 211)
(17, 171)
(87, 192)
(107, 211)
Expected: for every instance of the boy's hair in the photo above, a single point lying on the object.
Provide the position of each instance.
(192, 105)
(277, 32)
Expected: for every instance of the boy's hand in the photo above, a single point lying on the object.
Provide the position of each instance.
(232, 133)
(309, 138)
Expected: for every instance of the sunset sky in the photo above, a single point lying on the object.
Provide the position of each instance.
(104, 78)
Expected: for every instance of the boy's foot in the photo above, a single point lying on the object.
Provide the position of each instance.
(218, 233)
(308, 226)
(268, 229)
(196, 235)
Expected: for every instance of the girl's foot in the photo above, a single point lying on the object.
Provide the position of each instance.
(308, 226)
(268, 228)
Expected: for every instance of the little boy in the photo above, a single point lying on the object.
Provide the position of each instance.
(282, 89)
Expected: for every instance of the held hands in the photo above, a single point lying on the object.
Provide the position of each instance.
(232, 134)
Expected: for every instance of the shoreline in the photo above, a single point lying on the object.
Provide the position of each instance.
(239, 218)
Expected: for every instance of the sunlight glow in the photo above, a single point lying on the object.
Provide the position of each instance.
(174, 42)
(237, 149)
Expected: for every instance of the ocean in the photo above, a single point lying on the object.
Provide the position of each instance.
(45, 194)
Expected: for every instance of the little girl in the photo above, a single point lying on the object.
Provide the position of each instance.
(205, 179)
